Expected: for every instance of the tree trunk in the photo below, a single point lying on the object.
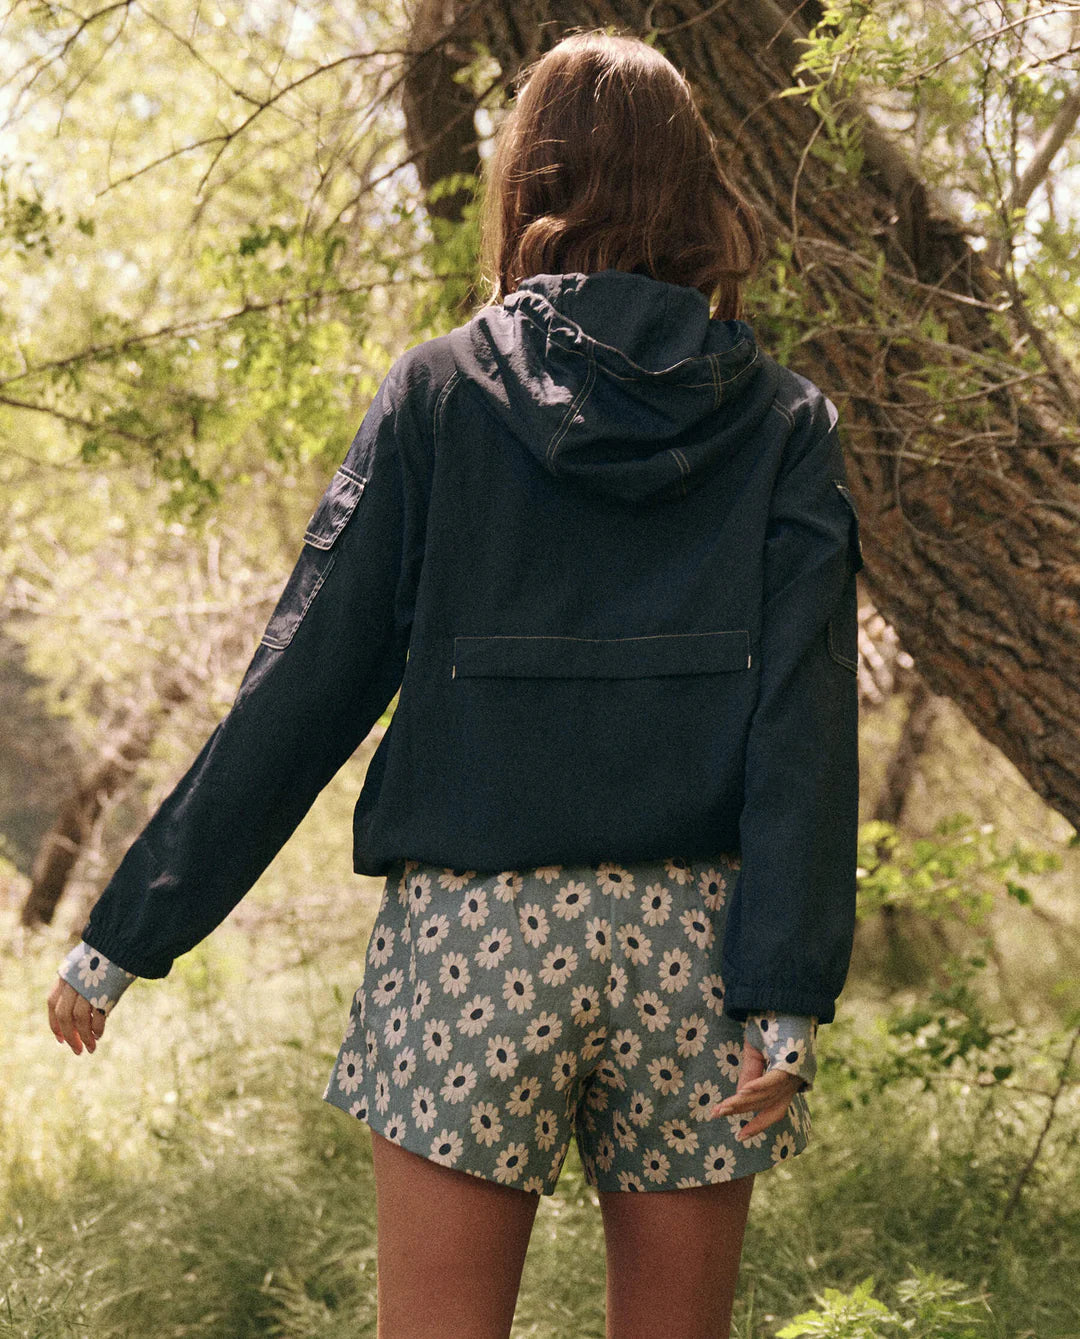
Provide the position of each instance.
(968, 502)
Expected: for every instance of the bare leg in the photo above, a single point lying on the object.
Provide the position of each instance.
(451, 1247)
(673, 1259)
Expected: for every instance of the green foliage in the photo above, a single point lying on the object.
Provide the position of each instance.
(930, 1307)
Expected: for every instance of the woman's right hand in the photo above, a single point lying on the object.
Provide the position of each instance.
(73, 1019)
(767, 1092)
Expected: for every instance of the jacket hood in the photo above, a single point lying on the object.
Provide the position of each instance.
(618, 381)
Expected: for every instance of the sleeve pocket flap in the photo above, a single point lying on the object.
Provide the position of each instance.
(601, 658)
(335, 507)
(855, 543)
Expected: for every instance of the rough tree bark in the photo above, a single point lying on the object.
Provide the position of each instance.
(968, 504)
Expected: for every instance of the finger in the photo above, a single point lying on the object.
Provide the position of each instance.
(68, 1029)
(54, 1022)
(775, 1086)
(763, 1120)
(752, 1065)
(80, 1014)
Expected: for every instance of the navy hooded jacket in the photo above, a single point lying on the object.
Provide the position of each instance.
(603, 544)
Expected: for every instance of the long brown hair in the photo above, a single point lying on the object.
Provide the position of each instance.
(604, 161)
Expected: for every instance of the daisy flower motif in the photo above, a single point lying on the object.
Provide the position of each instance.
(558, 966)
(712, 991)
(518, 990)
(403, 883)
(656, 1165)
(653, 1012)
(404, 1066)
(359, 1109)
(421, 999)
(738, 1123)
(475, 1015)
(728, 1061)
(703, 1098)
(630, 1181)
(614, 880)
(626, 1047)
(783, 1147)
(542, 1033)
(381, 947)
(394, 1027)
(610, 1074)
(534, 924)
(388, 986)
(423, 1108)
(501, 1057)
(419, 894)
(698, 928)
(598, 939)
(459, 1082)
(508, 885)
(454, 974)
(454, 880)
(350, 1071)
(686, 1183)
(618, 983)
(571, 900)
(605, 1152)
(437, 1041)
(790, 1054)
(564, 1070)
(446, 1147)
(549, 873)
(350, 1026)
(546, 1128)
(511, 1162)
(655, 904)
(92, 968)
(433, 930)
(625, 1137)
(635, 943)
(534, 1183)
(665, 1074)
(641, 1108)
(395, 1129)
(103, 1002)
(596, 1099)
(678, 1135)
(674, 970)
(678, 871)
(719, 1163)
(713, 886)
(372, 1044)
(690, 1036)
(557, 1160)
(485, 1124)
(584, 1009)
(494, 948)
(522, 1096)
(474, 909)
(382, 1092)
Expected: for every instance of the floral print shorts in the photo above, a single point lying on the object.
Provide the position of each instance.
(501, 1014)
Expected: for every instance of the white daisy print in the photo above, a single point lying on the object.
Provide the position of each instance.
(511, 1162)
(419, 894)
(508, 885)
(522, 1096)
(738, 1122)
(655, 1165)
(501, 1057)
(518, 990)
(103, 1002)
(678, 871)
(596, 1099)
(791, 1054)
(534, 1183)
(719, 1163)
(598, 939)
(474, 909)
(475, 1015)
(584, 1008)
(655, 904)
(394, 1027)
(546, 1130)
(534, 924)
(605, 1152)
(783, 1147)
(653, 1012)
(558, 966)
(624, 1136)
(446, 1147)
(421, 999)
(713, 888)
(549, 873)
(380, 947)
(712, 991)
(618, 983)
(404, 1066)
(594, 1039)
(626, 1047)
(454, 974)
(608, 1072)
(571, 900)
(433, 930)
(674, 970)
(641, 1108)
(544, 1030)
(728, 1060)
(564, 1070)
(359, 1109)
(635, 943)
(494, 948)
(690, 1036)
(459, 1082)
(388, 986)
(350, 1026)
(614, 880)
(698, 928)
(703, 1098)
(372, 1044)
(485, 1123)
(630, 1181)
(454, 880)
(678, 1135)
(395, 1129)
(665, 1074)
(382, 1092)
(437, 1041)
(350, 1071)
(423, 1108)
(92, 968)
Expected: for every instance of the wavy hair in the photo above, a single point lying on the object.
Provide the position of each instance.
(605, 161)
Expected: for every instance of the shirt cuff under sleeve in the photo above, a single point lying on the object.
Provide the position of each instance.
(786, 1041)
(94, 976)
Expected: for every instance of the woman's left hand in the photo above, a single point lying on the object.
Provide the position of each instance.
(73, 1019)
(769, 1095)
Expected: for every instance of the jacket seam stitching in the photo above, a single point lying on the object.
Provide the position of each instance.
(576, 404)
(276, 643)
(838, 655)
(440, 406)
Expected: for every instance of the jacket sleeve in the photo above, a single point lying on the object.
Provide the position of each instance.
(326, 667)
(791, 923)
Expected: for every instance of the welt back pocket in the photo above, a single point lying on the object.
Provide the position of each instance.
(544, 657)
(328, 520)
